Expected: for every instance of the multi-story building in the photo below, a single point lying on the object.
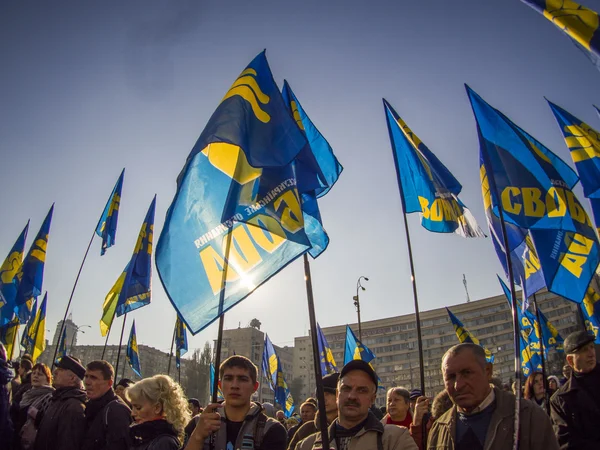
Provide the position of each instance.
(71, 331)
(250, 342)
(394, 341)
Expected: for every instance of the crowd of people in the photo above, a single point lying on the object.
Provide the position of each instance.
(80, 407)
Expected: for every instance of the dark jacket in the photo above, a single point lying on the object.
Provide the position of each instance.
(17, 396)
(154, 435)
(305, 430)
(6, 427)
(575, 416)
(108, 419)
(62, 426)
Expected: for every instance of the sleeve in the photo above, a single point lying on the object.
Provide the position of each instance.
(275, 438)
(298, 436)
(567, 435)
(164, 443)
(118, 419)
(71, 427)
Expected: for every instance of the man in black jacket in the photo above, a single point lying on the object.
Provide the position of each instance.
(575, 407)
(63, 423)
(107, 416)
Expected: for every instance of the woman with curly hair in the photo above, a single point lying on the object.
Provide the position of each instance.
(160, 411)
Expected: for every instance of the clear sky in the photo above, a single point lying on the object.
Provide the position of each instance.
(87, 88)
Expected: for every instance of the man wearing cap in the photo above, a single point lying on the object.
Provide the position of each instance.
(483, 416)
(310, 427)
(63, 424)
(575, 407)
(356, 427)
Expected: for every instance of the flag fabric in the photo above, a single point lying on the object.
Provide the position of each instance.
(26, 341)
(427, 185)
(30, 275)
(273, 370)
(110, 303)
(464, 335)
(37, 331)
(590, 307)
(354, 349)
(584, 145)
(317, 170)
(181, 343)
(107, 225)
(133, 357)
(529, 340)
(325, 355)
(580, 24)
(220, 395)
(26, 310)
(8, 336)
(534, 188)
(8, 270)
(62, 345)
(238, 186)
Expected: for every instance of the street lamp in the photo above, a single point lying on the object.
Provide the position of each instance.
(357, 303)
(77, 329)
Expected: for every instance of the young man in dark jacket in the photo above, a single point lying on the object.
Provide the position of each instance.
(62, 426)
(107, 416)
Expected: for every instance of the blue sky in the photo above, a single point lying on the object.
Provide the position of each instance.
(88, 88)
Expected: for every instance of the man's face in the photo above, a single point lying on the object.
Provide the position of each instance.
(330, 402)
(95, 384)
(567, 371)
(307, 413)
(584, 359)
(466, 381)
(237, 386)
(280, 415)
(397, 406)
(356, 394)
(62, 378)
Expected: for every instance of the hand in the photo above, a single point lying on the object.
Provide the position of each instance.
(209, 422)
(421, 407)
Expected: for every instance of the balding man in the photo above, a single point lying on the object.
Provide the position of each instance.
(483, 416)
(356, 427)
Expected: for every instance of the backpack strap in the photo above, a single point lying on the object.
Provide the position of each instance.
(259, 430)
(379, 441)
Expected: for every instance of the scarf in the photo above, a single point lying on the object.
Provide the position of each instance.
(34, 396)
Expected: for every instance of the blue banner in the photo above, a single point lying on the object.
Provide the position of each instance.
(325, 355)
(237, 194)
(107, 225)
(427, 185)
(133, 357)
(8, 270)
(465, 335)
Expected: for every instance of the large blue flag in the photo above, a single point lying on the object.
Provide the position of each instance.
(30, 275)
(181, 343)
(584, 144)
(237, 194)
(325, 355)
(273, 370)
(8, 270)
(137, 284)
(107, 225)
(534, 187)
(133, 356)
(465, 335)
(579, 23)
(590, 307)
(427, 185)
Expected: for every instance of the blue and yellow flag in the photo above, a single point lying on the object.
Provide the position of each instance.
(8, 336)
(133, 356)
(325, 355)
(590, 307)
(427, 185)
(273, 370)
(236, 194)
(464, 335)
(26, 341)
(8, 270)
(181, 343)
(354, 349)
(62, 346)
(579, 23)
(220, 395)
(107, 225)
(30, 275)
(534, 188)
(37, 331)
(137, 283)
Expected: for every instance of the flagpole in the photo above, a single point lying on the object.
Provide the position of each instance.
(107, 336)
(12, 350)
(410, 258)
(120, 343)
(539, 320)
(171, 352)
(179, 373)
(316, 357)
(73, 291)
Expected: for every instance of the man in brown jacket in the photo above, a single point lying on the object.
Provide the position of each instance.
(356, 428)
(482, 417)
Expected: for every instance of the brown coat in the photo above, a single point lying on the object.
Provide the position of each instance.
(535, 428)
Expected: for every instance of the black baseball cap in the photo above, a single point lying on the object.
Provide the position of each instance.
(330, 382)
(359, 364)
(68, 363)
(576, 340)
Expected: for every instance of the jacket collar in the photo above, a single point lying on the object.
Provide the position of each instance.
(372, 424)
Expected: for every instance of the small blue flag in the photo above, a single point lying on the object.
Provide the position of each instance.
(325, 355)
(427, 185)
(62, 346)
(8, 270)
(354, 349)
(28, 319)
(133, 356)
(107, 225)
(590, 307)
(181, 343)
(220, 395)
(273, 370)
(8, 336)
(37, 331)
(464, 335)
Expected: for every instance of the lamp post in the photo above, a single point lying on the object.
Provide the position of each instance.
(77, 329)
(357, 303)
